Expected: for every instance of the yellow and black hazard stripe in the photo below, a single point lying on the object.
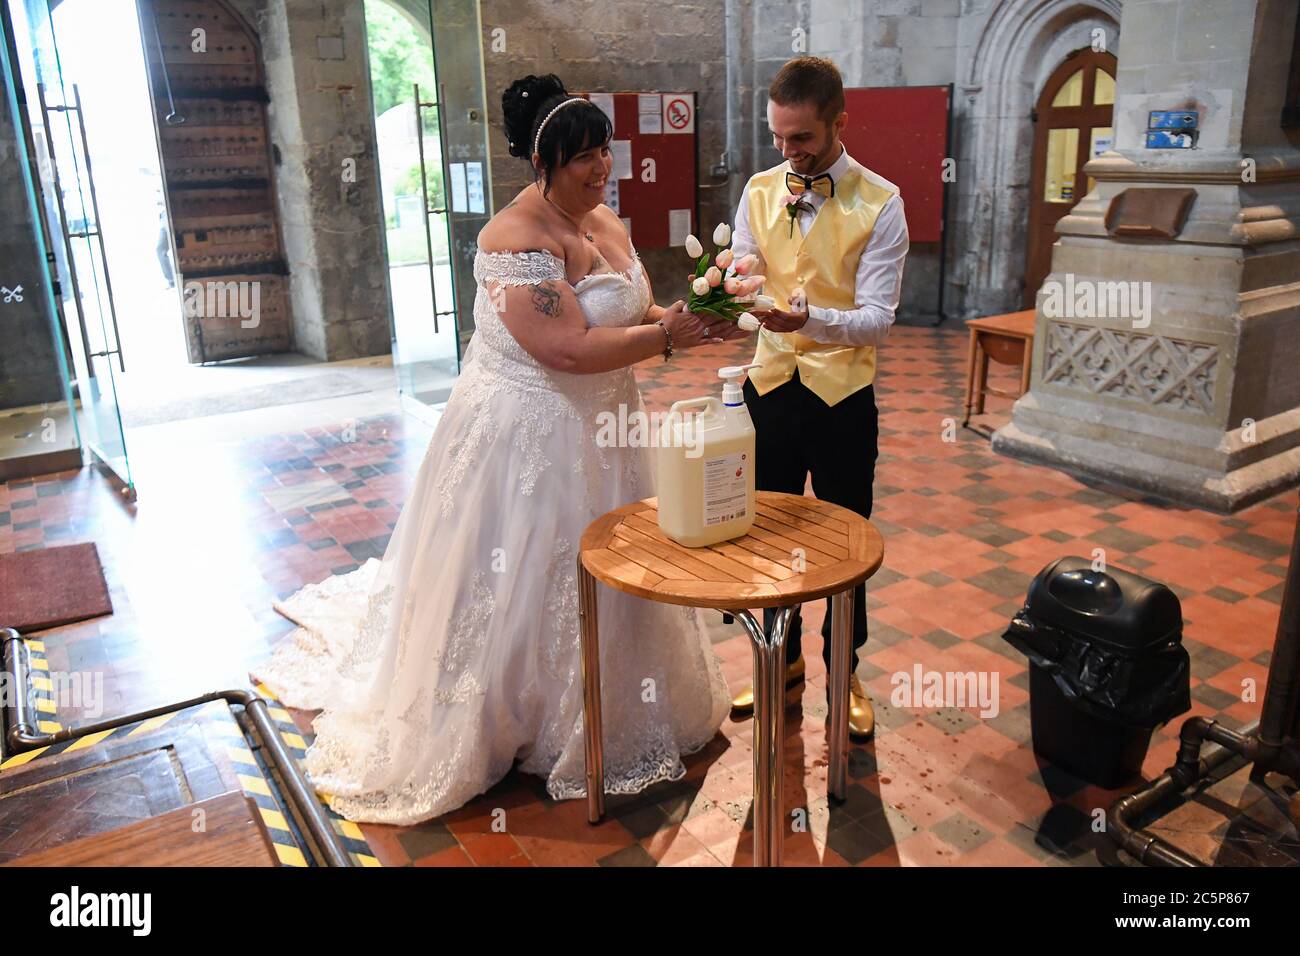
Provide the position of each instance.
(256, 777)
(81, 743)
(42, 687)
(296, 742)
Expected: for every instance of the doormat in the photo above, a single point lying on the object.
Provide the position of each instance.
(307, 388)
(52, 586)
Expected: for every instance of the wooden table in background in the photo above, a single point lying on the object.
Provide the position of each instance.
(799, 549)
(1006, 339)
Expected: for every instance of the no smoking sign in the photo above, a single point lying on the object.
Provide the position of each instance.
(679, 113)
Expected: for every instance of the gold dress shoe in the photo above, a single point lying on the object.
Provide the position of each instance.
(862, 719)
(744, 701)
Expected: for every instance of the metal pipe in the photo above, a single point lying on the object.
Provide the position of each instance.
(776, 730)
(838, 692)
(21, 734)
(69, 256)
(762, 757)
(1146, 847)
(731, 104)
(173, 118)
(1271, 744)
(769, 731)
(591, 709)
(103, 248)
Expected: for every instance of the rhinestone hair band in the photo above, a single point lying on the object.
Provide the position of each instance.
(538, 138)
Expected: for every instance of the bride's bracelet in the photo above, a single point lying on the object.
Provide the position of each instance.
(668, 348)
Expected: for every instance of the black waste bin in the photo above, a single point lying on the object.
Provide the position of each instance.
(1106, 667)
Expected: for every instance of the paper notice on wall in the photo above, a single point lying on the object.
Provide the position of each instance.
(459, 193)
(622, 150)
(611, 194)
(679, 226)
(648, 110)
(606, 103)
(474, 185)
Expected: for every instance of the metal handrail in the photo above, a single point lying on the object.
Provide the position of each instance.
(22, 734)
(1272, 743)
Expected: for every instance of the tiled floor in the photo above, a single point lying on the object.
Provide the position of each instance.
(223, 527)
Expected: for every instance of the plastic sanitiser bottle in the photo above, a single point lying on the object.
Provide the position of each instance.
(706, 466)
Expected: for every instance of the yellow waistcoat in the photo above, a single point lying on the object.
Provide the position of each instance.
(825, 263)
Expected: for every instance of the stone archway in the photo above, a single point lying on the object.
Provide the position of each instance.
(1017, 47)
(417, 13)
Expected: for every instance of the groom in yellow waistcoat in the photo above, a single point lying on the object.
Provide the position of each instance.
(832, 240)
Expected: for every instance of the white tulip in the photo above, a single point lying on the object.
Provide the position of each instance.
(693, 247)
(701, 285)
(748, 322)
(722, 234)
(764, 302)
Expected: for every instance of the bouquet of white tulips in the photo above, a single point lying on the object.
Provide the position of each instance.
(726, 287)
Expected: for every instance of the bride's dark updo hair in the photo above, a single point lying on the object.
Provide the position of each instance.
(577, 127)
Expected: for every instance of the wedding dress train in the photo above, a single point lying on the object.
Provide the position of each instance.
(457, 655)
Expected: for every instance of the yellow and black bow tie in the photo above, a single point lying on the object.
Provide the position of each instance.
(821, 184)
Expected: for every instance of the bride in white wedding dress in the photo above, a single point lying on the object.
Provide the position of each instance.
(457, 655)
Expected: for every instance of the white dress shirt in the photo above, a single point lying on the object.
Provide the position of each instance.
(880, 269)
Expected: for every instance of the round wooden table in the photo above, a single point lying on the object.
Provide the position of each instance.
(799, 549)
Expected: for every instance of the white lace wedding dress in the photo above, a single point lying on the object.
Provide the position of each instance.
(458, 654)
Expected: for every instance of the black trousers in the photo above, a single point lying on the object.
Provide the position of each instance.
(798, 433)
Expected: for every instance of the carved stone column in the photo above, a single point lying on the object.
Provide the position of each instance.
(1190, 389)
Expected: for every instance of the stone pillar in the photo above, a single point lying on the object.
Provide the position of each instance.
(320, 115)
(1192, 391)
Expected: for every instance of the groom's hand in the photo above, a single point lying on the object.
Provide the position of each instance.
(779, 321)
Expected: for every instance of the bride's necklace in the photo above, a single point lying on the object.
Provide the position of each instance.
(576, 224)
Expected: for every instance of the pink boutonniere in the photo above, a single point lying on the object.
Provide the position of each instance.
(793, 206)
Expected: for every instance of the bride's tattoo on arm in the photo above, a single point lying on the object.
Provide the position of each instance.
(546, 300)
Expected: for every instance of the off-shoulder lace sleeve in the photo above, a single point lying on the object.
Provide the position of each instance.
(517, 268)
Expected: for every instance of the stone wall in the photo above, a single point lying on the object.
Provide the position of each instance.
(895, 43)
(998, 54)
(320, 115)
(610, 46)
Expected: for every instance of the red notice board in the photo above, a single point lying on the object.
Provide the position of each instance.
(901, 132)
(659, 127)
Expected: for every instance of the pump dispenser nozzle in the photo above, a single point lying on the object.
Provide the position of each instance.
(731, 376)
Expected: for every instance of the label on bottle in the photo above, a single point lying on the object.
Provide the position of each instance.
(725, 486)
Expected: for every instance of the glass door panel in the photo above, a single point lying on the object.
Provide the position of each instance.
(38, 430)
(409, 150)
(434, 199)
(56, 110)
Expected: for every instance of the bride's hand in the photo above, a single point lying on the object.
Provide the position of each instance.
(690, 330)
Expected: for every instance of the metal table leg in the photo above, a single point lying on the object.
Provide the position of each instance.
(769, 732)
(591, 713)
(837, 692)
